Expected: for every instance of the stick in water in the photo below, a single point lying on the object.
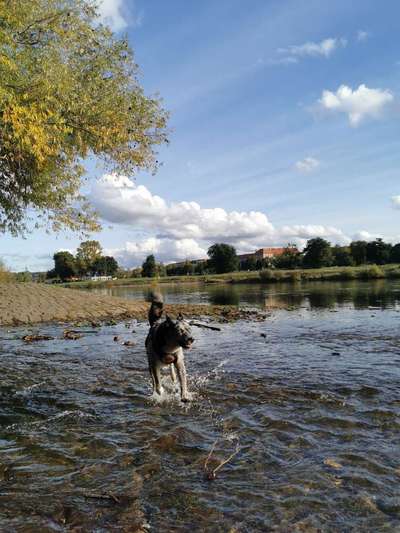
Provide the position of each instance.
(212, 474)
(198, 325)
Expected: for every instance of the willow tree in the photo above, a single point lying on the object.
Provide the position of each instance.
(69, 90)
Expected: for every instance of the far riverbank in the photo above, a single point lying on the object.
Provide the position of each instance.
(363, 272)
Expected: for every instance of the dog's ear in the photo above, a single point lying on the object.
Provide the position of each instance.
(179, 317)
(168, 319)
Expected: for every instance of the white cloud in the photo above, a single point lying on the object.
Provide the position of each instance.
(111, 13)
(396, 202)
(33, 262)
(366, 236)
(362, 35)
(358, 104)
(307, 165)
(165, 250)
(175, 231)
(288, 60)
(324, 48)
(121, 201)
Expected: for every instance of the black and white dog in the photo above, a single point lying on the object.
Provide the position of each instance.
(165, 343)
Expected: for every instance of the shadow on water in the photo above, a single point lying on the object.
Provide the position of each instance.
(310, 395)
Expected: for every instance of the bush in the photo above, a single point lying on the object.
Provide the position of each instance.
(295, 276)
(5, 275)
(346, 274)
(372, 272)
(393, 273)
(267, 275)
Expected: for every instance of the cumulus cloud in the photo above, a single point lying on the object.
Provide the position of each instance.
(119, 200)
(307, 165)
(324, 48)
(396, 202)
(165, 250)
(175, 231)
(366, 236)
(359, 104)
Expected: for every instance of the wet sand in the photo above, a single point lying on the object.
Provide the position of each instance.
(30, 303)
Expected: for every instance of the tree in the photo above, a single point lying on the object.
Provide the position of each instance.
(200, 267)
(342, 256)
(136, 272)
(161, 270)
(358, 250)
(68, 90)
(223, 258)
(86, 255)
(249, 264)
(64, 265)
(317, 253)
(105, 266)
(23, 277)
(378, 252)
(149, 267)
(289, 259)
(395, 254)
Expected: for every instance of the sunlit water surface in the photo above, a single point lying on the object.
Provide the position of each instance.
(310, 397)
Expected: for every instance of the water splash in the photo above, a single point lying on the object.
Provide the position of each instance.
(27, 391)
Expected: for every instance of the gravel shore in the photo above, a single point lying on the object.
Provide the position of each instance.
(31, 303)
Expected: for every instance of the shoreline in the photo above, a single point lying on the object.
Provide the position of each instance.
(32, 303)
(264, 277)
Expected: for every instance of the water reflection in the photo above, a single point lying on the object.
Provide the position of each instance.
(384, 294)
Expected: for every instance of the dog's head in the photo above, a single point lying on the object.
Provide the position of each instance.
(179, 330)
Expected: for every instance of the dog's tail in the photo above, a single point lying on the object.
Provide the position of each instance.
(156, 308)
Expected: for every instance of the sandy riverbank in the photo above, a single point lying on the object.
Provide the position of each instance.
(30, 303)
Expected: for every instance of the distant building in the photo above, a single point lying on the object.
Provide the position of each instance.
(258, 255)
(265, 253)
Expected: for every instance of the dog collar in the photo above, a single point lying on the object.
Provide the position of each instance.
(168, 357)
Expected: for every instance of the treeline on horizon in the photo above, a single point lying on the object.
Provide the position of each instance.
(318, 253)
(89, 260)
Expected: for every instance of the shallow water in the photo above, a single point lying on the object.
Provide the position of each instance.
(358, 294)
(313, 406)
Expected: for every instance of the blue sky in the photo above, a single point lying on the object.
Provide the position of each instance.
(285, 125)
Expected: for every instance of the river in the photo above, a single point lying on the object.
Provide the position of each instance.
(309, 399)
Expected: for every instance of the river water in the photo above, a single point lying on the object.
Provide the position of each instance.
(309, 398)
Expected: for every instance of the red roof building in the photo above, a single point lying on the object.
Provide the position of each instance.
(266, 253)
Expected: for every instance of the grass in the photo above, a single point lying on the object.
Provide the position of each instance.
(5, 275)
(364, 272)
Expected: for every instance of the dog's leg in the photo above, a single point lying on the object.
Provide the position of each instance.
(173, 373)
(180, 367)
(155, 377)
